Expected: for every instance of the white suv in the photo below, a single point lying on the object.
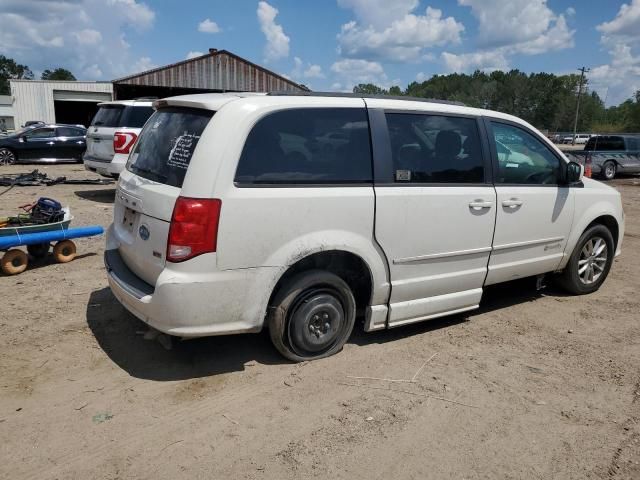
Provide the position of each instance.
(113, 131)
(235, 213)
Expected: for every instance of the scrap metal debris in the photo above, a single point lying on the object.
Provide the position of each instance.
(35, 178)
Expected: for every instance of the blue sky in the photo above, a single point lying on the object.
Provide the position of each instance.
(333, 44)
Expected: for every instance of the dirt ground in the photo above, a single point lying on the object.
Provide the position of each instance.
(548, 386)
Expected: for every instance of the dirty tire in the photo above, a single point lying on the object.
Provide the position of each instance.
(311, 316)
(14, 261)
(7, 157)
(39, 250)
(609, 170)
(64, 251)
(570, 278)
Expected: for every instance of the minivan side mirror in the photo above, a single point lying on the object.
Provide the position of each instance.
(574, 173)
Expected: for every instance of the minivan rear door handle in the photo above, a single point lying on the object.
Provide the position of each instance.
(480, 204)
(512, 203)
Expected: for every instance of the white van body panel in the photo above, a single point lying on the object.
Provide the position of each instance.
(419, 269)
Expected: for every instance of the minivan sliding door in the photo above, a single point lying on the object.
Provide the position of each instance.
(435, 210)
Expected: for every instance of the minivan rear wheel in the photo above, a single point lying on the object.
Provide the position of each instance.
(311, 316)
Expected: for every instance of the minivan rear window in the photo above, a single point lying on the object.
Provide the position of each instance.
(166, 144)
(108, 116)
(307, 146)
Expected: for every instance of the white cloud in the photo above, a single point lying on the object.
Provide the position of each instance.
(92, 72)
(421, 77)
(379, 13)
(314, 71)
(277, 41)
(570, 11)
(354, 71)
(74, 34)
(620, 78)
(311, 71)
(138, 14)
(208, 26)
(88, 36)
(520, 26)
(626, 24)
(193, 54)
(388, 30)
(468, 62)
(143, 64)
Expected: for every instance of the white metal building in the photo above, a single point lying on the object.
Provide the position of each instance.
(6, 112)
(57, 101)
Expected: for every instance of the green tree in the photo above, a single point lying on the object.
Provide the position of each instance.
(9, 69)
(57, 74)
(369, 89)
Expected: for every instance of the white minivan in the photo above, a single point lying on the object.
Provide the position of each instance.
(300, 213)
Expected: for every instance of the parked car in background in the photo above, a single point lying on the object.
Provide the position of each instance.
(112, 133)
(220, 226)
(610, 154)
(581, 139)
(43, 143)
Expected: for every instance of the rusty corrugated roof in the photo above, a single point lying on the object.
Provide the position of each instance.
(216, 70)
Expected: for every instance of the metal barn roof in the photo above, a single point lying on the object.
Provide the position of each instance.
(217, 70)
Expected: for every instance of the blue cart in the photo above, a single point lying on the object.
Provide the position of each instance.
(38, 240)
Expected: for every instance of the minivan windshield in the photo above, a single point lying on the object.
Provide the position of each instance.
(166, 144)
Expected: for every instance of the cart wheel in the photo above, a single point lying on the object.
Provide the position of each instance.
(64, 251)
(14, 261)
(39, 250)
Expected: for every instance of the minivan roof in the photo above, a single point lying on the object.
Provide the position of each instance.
(214, 101)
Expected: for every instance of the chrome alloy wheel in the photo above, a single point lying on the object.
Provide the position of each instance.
(593, 259)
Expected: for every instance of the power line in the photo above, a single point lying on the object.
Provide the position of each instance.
(575, 123)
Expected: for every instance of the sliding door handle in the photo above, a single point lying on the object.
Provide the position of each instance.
(480, 204)
(512, 203)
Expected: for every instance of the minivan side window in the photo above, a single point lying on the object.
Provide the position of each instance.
(435, 149)
(308, 146)
(522, 158)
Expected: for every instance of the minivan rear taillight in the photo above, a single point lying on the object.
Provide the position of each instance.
(194, 228)
(123, 141)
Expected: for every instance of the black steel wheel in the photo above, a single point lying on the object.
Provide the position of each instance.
(311, 316)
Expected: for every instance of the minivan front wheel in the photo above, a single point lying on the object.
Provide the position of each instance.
(590, 261)
(311, 316)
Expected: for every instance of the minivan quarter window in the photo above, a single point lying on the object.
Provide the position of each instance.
(522, 158)
(435, 149)
(307, 146)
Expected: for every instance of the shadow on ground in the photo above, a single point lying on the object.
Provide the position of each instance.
(106, 195)
(116, 329)
(119, 334)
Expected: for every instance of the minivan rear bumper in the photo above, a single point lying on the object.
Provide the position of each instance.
(186, 304)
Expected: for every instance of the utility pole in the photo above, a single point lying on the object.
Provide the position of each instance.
(575, 123)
